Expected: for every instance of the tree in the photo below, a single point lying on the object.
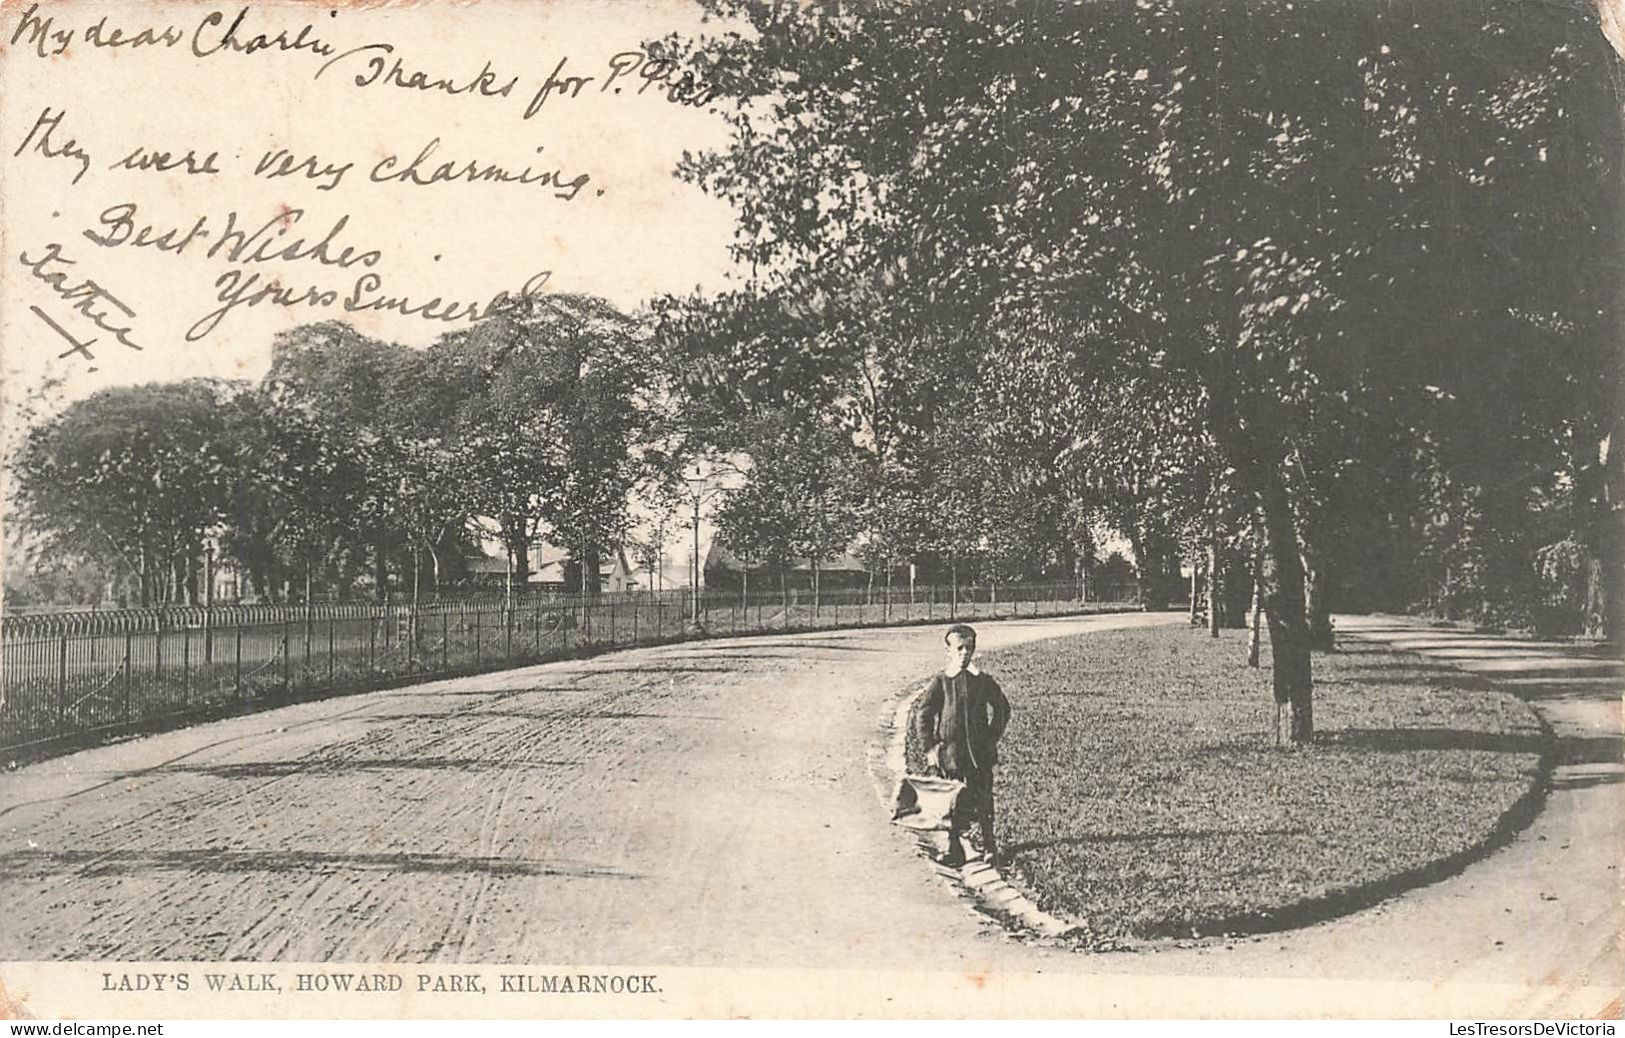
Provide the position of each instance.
(564, 382)
(1198, 192)
(799, 499)
(347, 391)
(296, 486)
(132, 478)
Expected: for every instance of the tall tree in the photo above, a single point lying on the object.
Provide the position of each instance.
(134, 478)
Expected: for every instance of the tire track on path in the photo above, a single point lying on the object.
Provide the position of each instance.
(649, 807)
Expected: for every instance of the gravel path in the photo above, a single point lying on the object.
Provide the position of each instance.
(698, 805)
(693, 804)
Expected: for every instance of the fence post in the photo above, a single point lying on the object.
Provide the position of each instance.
(477, 625)
(208, 608)
(445, 641)
(186, 666)
(158, 651)
(62, 683)
(239, 658)
(287, 655)
(129, 666)
(331, 621)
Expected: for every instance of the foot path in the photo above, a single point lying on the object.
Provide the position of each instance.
(713, 805)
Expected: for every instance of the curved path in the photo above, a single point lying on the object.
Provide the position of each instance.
(704, 804)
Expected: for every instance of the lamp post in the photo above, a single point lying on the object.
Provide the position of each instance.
(696, 484)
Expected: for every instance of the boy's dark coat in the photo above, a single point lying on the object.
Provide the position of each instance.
(966, 713)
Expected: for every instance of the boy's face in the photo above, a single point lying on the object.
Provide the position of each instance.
(961, 649)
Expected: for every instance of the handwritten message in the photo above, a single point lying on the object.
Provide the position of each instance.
(184, 207)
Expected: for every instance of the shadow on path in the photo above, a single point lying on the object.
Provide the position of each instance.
(18, 864)
(280, 768)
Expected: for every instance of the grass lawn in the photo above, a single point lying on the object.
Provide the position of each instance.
(1140, 788)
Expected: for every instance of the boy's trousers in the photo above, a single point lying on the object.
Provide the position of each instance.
(974, 804)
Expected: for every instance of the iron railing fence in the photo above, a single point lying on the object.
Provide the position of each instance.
(72, 674)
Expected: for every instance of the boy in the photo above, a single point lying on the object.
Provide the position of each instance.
(959, 721)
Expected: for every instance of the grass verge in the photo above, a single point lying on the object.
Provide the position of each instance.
(1141, 789)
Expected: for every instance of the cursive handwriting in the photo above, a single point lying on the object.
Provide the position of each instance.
(207, 38)
(47, 40)
(242, 288)
(74, 345)
(268, 242)
(681, 86)
(364, 297)
(557, 83)
(87, 296)
(281, 163)
(40, 137)
(246, 289)
(144, 159)
(395, 73)
(418, 172)
(101, 35)
(234, 39)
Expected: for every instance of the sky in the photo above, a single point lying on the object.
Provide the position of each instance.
(163, 163)
(311, 89)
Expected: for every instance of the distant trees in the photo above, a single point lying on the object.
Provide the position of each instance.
(550, 403)
(1227, 257)
(354, 462)
(1322, 297)
(133, 477)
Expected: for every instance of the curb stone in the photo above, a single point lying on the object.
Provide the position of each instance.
(978, 880)
(996, 896)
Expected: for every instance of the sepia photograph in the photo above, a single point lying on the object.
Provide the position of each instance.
(775, 509)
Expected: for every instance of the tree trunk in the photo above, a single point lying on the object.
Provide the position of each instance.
(519, 547)
(1255, 629)
(1194, 596)
(146, 580)
(1150, 563)
(591, 563)
(1255, 635)
(1213, 582)
(310, 621)
(1601, 489)
(380, 567)
(1289, 627)
(1316, 603)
